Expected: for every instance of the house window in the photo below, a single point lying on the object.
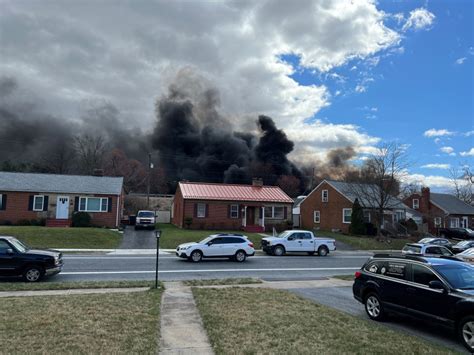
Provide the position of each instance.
(38, 203)
(399, 216)
(317, 216)
(346, 215)
(325, 195)
(454, 223)
(275, 212)
(437, 222)
(416, 203)
(1, 202)
(366, 216)
(201, 210)
(93, 204)
(234, 211)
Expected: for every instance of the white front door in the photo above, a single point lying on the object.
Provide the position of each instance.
(62, 207)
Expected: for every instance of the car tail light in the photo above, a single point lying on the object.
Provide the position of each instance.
(251, 245)
(357, 274)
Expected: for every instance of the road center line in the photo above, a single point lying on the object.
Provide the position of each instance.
(205, 271)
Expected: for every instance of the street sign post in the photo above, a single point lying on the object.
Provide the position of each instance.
(158, 236)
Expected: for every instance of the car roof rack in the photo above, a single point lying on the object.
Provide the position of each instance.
(401, 256)
(233, 234)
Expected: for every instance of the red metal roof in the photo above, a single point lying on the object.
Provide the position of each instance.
(230, 192)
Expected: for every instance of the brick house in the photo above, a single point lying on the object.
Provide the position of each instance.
(54, 198)
(253, 208)
(329, 207)
(441, 210)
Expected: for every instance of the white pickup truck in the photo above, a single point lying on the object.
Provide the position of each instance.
(297, 241)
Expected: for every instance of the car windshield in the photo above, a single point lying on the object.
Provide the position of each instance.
(205, 240)
(426, 240)
(469, 252)
(413, 249)
(469, 230)
(19, 245)
(459, 275)
(146, 214)
(463, 243)
(284, 234)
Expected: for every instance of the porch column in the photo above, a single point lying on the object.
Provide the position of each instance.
(263, 216)
(245, 216)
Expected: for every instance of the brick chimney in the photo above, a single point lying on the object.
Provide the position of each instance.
(257, 182)
(425, 199)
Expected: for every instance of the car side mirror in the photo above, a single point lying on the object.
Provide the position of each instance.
(437, 285)
(10, 252)
(291, 238)
(209, 244)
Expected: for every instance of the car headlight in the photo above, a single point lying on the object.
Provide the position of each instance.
(185, 248)
(269, 243)
(56, 260)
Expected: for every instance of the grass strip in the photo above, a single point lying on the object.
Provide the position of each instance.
(120, 323)
(26, 286)
(364, 242)
(67, 238)
(264, 321)
(218, 282)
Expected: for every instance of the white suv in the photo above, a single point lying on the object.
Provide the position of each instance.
(233, 246)
(145, 219)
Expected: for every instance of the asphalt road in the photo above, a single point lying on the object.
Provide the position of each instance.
(133, 267)
(341, 298)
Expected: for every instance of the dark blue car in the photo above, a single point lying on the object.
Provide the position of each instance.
(438, 290)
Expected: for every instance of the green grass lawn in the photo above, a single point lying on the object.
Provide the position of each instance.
(28, 286)
(263, 321)
(172, 236)
(119, 323)
(218, 282)
(366, 243)
(47, 237)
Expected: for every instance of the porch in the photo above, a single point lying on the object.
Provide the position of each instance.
(253, 218)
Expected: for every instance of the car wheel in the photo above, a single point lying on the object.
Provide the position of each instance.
(466, 332)
(240, 256)
(311, 252)
(279, 250)
(32, 274)
(196, 256)
(323, 251)
(374, 307)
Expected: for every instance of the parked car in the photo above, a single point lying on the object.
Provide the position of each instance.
(436, 241)
(426, 249)
(437, 290)
(145, 219)
(456, 233)
(461, 246)
(233, 246)
(467, 255)
(297, 241)
(17, 259)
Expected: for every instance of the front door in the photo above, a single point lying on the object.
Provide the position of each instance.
(465, 222)
(250, 216)
(62, 207)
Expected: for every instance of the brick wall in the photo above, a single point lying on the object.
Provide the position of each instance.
(178, 217)
(331, 211)
(18, 203)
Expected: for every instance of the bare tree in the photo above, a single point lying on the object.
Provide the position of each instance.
(380, 178)
(462, 180)
(90, 152)
(134, 173)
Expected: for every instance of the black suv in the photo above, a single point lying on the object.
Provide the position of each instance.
(439, 290)
(16, 259)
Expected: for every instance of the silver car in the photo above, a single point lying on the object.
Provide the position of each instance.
(426, 250)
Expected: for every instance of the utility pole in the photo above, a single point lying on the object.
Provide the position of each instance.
(150, 166)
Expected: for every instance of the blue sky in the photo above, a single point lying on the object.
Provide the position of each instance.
(426, 82)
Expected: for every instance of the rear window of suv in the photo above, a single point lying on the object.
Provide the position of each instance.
(413, 249)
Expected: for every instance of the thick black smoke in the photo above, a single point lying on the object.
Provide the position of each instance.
(196, 143)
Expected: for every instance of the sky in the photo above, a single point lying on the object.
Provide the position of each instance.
(331, 73)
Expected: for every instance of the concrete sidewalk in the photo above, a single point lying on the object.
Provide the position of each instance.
(85, 291)
(182, 331)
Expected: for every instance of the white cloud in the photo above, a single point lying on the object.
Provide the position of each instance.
(437, 140)
(437, 133)
(433, 181)
(448, 150)
(436, 166)
(469, 153)
(460, 61)
(469, 133)
(360, 88)
(419, 19)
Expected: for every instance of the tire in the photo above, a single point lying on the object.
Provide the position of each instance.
(311, 253)
(240, 256)
(466, 332)
(373, 307)
(32, 273)
(196, 256)
(323, 250)
(279, 250)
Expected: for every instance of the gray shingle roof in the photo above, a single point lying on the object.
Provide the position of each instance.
(363, 192)
(451, 204)
(53, 183)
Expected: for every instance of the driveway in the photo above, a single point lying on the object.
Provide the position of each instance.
(138, 239)
(341, 298)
